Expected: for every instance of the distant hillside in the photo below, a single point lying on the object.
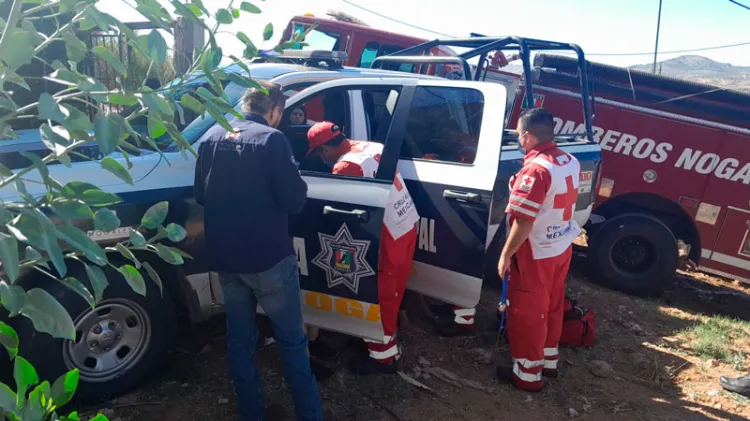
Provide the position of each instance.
(704, 70)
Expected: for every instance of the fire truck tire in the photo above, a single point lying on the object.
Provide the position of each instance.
(119, 343)
(633, 253)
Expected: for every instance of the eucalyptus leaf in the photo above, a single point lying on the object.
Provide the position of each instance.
(223, 16)
(111, 165)
(155, 126)
(176, 232)
(125, 99)
(8, 401)
(268, 32)
(250, 8)
(68, 208)
(23, 48)
(9, 339)
(137, 239)
(98, 281)
(48, 315)
(49, 109)
(80, 241)
(154, 276)
(107, 133)
(55, 138)
(74, 47)
(168, 254)
(105, 54)
(106, 220)
(134, 278)
(157, 47)
(5, 215)
(65, 387)
(96, 197)
(37, 163)
(126, 253)
(193, 104)
(32, 254)
(76, 286)
(155, 215)
(77, 121)
(13, 298)
(25, 376)
(9, 256)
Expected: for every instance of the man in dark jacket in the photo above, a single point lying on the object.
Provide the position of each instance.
(248, 183)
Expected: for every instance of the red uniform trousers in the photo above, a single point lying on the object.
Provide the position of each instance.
(394, 267)
(536, 295)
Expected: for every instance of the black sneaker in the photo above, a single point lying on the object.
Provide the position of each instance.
(357, 346)
(321, 372)
(318, 349)
(365, 365)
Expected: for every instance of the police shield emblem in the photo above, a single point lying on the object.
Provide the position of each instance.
(343, 259)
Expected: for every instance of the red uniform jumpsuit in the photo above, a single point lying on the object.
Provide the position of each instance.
(397, 242)
(545, 192)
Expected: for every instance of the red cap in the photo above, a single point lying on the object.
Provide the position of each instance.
(322, 133)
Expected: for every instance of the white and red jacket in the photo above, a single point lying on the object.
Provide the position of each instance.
(361, 159)
(541, 192)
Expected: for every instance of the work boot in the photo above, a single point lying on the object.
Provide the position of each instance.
(276, 412)
(318, 349)
(549, 373)
(357, 346)
(739, 385)
(362, 364)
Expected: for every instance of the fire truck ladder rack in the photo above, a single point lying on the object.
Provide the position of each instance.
(481, 47)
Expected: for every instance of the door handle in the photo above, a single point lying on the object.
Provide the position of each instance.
(464, 197)
(358, 214)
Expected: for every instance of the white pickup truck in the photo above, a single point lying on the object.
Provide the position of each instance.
(427, 125)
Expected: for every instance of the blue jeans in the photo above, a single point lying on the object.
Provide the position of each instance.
(278, 292)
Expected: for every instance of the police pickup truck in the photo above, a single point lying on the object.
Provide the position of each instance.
(446, 137)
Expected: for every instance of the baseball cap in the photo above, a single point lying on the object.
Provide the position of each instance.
(322, 133)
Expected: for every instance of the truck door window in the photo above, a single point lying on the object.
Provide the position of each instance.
(368, 54)
(443, 124)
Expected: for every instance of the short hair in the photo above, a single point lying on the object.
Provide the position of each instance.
(538, 122)
(258, 102)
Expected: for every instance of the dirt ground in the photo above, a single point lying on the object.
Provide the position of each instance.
(665, 365)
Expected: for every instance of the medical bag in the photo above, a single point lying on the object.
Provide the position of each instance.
(579, 325)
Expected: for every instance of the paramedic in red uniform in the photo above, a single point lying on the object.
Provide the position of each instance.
(398, 237)
(537, 251)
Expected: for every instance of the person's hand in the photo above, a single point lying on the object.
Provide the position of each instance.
(503, 265)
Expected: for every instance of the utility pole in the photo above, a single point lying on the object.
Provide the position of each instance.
(658, 26)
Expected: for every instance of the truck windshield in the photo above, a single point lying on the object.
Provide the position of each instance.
(317, 40)
(234, 92)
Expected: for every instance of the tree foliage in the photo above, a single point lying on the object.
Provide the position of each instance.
(44, 230)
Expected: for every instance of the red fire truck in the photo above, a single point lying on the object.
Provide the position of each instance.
(676, 154)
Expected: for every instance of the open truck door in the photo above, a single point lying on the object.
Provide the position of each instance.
(337, 236)
(449, 158)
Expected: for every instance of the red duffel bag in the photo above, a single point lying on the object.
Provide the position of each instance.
(579, 325)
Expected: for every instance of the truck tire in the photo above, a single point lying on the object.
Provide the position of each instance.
(118, 344)
(633, 253)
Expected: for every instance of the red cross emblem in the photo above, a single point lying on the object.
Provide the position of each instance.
(566, 201)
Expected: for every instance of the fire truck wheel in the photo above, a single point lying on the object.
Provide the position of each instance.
(118, 344)
(633, 253)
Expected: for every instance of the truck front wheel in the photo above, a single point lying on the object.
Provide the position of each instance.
(633, 253)
(118, 344)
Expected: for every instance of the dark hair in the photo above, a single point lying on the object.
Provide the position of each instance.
(538, 122)
(258, 102)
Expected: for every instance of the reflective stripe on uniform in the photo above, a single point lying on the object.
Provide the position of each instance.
(550, 364)
(551, 352)
(463, 312)
(520, 365)
(390, 352)
(522, 210)
(525, 201)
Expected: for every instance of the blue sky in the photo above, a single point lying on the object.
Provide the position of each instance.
(599, 26)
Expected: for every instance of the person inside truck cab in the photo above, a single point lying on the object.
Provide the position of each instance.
(398, 236)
